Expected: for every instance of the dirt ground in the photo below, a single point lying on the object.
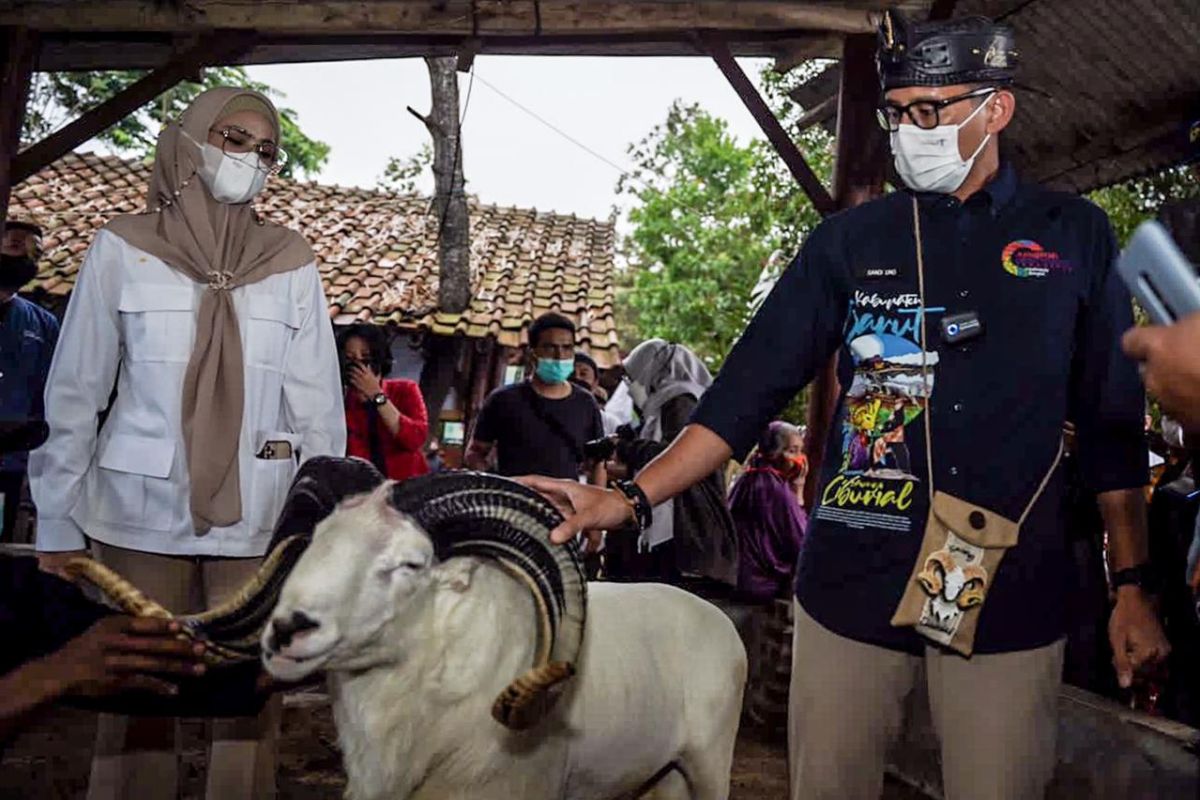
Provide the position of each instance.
(51, 759)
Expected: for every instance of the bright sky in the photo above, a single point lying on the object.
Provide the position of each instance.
(509, 157)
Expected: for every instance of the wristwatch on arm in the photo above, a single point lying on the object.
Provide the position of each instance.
(1142, 576)
(379, 400)
(639, 505)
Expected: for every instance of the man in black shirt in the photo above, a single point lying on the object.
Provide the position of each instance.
(539, 426)
(973, 315)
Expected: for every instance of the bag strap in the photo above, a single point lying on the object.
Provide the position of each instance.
(927, 389)
(555, 425)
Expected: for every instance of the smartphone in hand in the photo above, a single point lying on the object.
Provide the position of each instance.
(1159, 275)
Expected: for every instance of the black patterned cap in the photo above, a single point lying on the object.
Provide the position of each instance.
(968, 50)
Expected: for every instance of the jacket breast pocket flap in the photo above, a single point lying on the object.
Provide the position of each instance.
(157, 321)
(272, 309)
(272, 323)
(141, 297)
(138, 455)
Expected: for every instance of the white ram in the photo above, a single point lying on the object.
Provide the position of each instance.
(417, 648)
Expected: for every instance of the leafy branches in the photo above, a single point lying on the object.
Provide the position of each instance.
(56, 97)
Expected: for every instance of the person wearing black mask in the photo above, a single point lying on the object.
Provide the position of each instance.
(28, 334)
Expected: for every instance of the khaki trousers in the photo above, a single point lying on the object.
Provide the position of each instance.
(996, 716)
(136, 757)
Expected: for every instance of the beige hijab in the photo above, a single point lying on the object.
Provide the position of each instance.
(223, 246)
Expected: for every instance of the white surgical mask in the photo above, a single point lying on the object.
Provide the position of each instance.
(231, 178)
(929, 161)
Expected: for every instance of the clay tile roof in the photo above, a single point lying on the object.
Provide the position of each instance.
(377, 251)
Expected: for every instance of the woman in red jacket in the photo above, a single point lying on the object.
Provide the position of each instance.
(386, 422)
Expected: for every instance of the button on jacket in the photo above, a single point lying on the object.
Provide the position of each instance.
(131, 325)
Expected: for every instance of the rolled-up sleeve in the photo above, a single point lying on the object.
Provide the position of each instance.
(793, 335)
(312, 385)
(1108, 403)
(78, 388)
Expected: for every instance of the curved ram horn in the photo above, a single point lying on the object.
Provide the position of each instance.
(473, 514)
(123, 594)
(933, 576)
(231, 630)
(974, 587)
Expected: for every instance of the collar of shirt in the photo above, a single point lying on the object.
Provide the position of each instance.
(998, 193)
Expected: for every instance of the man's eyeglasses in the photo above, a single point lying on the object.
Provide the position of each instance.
(237, 141)
(925, 114)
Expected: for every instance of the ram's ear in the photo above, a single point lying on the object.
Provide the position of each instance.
(455, 573)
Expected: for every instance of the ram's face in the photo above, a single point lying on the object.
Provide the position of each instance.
(366, 561)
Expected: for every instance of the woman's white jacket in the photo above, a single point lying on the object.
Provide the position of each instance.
(130, 324)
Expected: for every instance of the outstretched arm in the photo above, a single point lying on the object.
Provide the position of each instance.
(690, 458)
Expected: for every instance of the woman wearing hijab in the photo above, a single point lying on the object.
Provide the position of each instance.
(767, 515)
(212, 324)
(691, 541)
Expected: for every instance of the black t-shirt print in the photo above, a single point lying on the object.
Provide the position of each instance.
(1036, 266)
(517, 420)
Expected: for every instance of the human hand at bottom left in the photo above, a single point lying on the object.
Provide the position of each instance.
(121, 653)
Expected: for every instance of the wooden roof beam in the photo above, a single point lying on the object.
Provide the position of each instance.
(822, 112)
(771, 127)
(211, 48)
(18, 51)
(462, 17)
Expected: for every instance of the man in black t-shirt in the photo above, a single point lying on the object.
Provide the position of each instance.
(539, 426)
(972, 314)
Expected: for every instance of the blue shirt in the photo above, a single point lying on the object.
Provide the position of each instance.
(1037, 267)
(28, 334)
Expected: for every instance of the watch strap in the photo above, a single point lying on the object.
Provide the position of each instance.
(1142, 575)
(643, 512)
(379, 399)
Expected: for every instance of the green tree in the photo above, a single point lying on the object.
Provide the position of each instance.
(56, 97)
(709, 213)
(1131, 203)
(710, 218)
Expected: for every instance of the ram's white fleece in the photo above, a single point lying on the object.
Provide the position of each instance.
(660, 681)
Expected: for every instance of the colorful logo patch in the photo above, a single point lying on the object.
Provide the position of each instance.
(1027, 259)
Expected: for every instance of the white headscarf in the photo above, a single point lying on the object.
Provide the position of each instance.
(659, 372)
(664, 371)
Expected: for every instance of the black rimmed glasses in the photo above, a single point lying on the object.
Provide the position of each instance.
(237, 141)
(925, 114)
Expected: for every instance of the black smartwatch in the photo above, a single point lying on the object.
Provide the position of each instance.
(1142, 576)
(643, 512)
(379, 399)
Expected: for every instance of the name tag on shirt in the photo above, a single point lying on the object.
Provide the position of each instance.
(877, 273)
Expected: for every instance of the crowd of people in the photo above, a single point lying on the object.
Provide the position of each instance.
(196, 366)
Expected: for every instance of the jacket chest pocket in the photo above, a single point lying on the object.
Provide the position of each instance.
(269, 329)
(158, 322)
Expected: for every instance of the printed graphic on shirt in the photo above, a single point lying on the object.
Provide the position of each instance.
(1028, 259)
(892, 383)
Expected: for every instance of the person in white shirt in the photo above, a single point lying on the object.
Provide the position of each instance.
(211, 323)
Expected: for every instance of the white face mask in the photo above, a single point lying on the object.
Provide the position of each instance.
(929, 161)
(231, 178)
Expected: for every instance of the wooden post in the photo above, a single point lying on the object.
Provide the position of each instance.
(859, 170)
(771, 127)
(19, 54)
(209, 49)
(449, 199)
